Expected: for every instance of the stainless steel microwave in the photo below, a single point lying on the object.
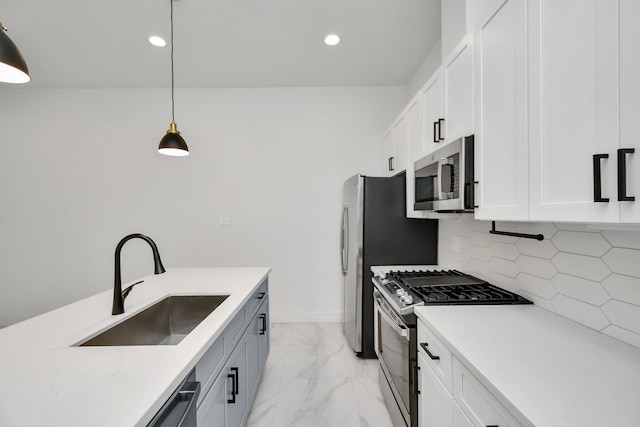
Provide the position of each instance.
(444, 180)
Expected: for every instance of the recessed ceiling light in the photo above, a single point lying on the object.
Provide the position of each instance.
(157, 41)
(332, 39)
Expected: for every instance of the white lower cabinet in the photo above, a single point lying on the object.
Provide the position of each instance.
(435, 401)
(469, 404)
(480, 406)
(459, 419)
(231, 369)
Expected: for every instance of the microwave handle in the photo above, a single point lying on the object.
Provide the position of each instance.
(445, 193)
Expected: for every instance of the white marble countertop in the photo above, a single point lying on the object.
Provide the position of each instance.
(547, 370)
(47, 381)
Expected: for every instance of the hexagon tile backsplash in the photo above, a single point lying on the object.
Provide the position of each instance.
(585, 274)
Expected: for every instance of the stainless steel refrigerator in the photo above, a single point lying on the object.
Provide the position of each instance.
(375, 231)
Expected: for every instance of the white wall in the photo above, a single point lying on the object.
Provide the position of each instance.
(454, 24)
(582, 272)
(428, 67)
(79, 170)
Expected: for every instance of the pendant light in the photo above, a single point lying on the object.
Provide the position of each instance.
(172, 144)
(13, 67)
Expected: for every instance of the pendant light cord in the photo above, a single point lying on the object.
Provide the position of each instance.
(173, 119)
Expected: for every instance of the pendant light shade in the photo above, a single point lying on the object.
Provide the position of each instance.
(172, 144)
(13, 67)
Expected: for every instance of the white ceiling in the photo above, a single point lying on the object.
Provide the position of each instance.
(221, 43)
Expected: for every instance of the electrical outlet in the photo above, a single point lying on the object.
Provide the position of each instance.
(225, 219)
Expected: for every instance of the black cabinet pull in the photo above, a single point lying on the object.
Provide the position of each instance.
(435, 132)
(235, 386)
(622, 174)
(597, 178)
(426, 349)
(263, 328)
(391, 161)
(261, 295)
(233, 389)
(440, 122)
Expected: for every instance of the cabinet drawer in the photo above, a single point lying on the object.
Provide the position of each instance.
(257, 298)
(440, 358)
(234, 331)
(477, 402)
(210, 365)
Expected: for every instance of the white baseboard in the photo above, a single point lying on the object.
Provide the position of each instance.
(306, 317)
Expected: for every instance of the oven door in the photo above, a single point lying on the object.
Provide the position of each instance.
(393, 349)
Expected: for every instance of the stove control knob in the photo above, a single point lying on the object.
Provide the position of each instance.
(408, 300)
(400, 292)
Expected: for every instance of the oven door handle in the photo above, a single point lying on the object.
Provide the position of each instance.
(401, 330)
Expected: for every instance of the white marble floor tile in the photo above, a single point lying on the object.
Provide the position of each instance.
(370, 403)
(263, 408)
(274, 367)
(312, 378)
(278, 334)
(317, 361)
(316, 402)
(315, 333)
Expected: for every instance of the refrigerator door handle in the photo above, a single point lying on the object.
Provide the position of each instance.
(344, 239)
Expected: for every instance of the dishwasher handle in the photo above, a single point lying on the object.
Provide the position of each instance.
(180, 409)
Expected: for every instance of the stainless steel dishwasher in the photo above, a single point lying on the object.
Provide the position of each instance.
(180, 408)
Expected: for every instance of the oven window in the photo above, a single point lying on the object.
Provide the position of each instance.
(394, 351)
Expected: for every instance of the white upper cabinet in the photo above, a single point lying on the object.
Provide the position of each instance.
(629, 75)
(432, 117)
(395, 147)
(400, 144)
(500, 114)
(387, 153)
(414, 140)
(573, 109)
(557, 111)
(457, 74)
(447, 100)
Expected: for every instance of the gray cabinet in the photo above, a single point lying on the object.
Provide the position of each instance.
(232, 367)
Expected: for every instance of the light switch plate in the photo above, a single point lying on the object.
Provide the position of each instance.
(225, 219)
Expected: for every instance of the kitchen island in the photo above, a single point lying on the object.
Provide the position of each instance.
(48, 380)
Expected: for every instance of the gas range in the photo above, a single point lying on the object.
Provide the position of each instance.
(405, 290)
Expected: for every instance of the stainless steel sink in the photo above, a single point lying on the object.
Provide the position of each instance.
(166, 322)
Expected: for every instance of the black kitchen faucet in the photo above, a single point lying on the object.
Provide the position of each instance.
(118, 294)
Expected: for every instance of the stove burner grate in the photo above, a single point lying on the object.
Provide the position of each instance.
(453, 287)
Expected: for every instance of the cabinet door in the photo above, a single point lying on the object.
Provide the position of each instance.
(387, 153)
(459, 418)
(573, 108)
(629, 33)
(212, 410)
(432, 116)
(414, 140)
(257, 347)
(238, 392)
(435, 402)
(477, 403)
(501, 157)
(457, 72)
(400, 144)
(263, 334)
